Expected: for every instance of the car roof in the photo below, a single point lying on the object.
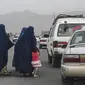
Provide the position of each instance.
(71, 20)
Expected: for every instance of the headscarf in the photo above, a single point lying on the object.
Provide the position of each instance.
(5, 43)
(22, 32)
(33, 39)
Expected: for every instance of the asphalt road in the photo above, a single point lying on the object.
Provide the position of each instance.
(48, 75)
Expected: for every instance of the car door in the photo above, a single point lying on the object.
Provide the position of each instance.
(50, 40)
(48, 44)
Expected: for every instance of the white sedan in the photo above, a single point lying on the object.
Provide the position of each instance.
(73, 59)
(43, 41)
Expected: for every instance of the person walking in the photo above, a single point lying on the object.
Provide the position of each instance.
(24, 47)
(21, 34)
(36, 63)
(5, 45)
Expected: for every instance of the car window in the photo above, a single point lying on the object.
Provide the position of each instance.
(79, 37)
(68, 29)
(46, 35)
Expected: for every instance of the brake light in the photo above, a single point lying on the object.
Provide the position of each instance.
(59, 44)
(42, 40)
(71, 58)
(82, 58)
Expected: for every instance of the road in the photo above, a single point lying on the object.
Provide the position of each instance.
(48, 75)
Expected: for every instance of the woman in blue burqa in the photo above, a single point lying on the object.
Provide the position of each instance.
(21, 34)
(5, 45)
(24, 47)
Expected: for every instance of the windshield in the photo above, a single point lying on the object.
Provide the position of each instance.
(68, 29)
(45, 36)
(78, 38)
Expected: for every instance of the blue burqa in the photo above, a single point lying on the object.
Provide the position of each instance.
(21, 34)
(23, 51)
(5, 44)
(22, 31)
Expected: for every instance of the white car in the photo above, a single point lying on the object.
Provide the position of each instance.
(73, 59)
(15, 38)
(60, 34)
(37, 40)
(43, 40)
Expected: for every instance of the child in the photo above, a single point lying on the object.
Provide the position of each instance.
(36, 63)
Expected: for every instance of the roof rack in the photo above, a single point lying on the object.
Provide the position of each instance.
(67, 16)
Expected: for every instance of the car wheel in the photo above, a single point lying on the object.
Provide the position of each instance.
(67, 81)
(53, 62)
(49, 59)
(56, 61)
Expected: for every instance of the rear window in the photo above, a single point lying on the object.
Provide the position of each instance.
(45, 36)
(68, 29)
(79, 37)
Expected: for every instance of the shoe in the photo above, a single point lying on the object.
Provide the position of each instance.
(36, 76)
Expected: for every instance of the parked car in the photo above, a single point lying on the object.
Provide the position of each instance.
(73, 59)
(43, 40)
(60, 33)
(37, 40)
(10, 36)
(15, 38)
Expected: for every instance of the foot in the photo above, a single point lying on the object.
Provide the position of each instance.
(5, 74)
(36, 76)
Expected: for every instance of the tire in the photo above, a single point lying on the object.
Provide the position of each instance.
(67, 81)
(56, 61)
(49, 59)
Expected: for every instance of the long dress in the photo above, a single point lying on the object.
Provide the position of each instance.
(21, 34)
(36, 63)
(5, 45)
(24, 47)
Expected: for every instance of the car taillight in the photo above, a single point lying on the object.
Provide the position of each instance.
(82, 58)
(71, 58)
(59, 44)
(42, 40)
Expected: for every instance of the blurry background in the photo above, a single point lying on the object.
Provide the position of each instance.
(39, 13)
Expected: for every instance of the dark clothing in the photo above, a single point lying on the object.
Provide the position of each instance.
(21, 34)
(22, 31)
(23, 51)
(5, 44)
